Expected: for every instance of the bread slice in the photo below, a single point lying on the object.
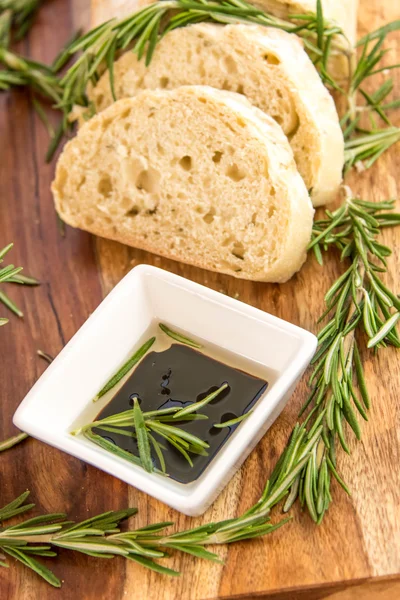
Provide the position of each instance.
(194, 174)
(342, 12)
(269, 67)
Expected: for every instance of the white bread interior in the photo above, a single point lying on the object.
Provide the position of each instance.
(268, 66)
(195, 174)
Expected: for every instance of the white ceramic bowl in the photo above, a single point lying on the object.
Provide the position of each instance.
(62, 398)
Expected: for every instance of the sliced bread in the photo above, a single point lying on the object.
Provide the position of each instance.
(342, 12)
(269, 67)
(194, 174)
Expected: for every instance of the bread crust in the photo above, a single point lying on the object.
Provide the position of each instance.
(261, 140)
(269, 67)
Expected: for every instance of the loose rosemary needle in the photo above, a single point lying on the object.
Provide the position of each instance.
(130, 363)
(179, 337)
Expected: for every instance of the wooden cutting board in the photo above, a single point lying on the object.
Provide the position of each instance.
(354, 554)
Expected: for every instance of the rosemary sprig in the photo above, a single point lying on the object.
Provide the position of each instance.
(11, 274)
(101, 536)
(358, 302)
(18, 15)
(20, 71)
(130, 363)
(8, 274)
(179, 337)
(147, 428)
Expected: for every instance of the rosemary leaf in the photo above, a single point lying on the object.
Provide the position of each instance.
(4, 299)
(179, 337)
(233, 422)
(13, 441)
(137, 356)
(142, 438)
(201, 403)
(384, 330)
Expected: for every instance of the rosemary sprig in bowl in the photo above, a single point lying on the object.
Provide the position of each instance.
(148, 427)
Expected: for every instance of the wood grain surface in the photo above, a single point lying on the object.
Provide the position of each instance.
(354, 554)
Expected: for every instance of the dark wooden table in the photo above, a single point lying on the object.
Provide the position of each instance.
(354, 554)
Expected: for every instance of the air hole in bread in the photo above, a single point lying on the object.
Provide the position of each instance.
(186, 163)
(82, 182)
(254, 218)
(240, 89)
(181, 196)
(148, 180)
(209, 217)
(88, 221)
(272, 191)
(271, 210)
(160, 149)
(217, 156)
(107, 219)
(200, 209)
(99, 100)
(228, 241)
(290, 134)
(230, 64)
(105, 123)
(105, 186)
(202, 100)
(238, 250)
(240, 122)
(164, 81)
(278, 119)
(234, 173)
(127, 126)
(272, 59)
(127, 113)
(132, 212)
(226, 86)
(151, 211)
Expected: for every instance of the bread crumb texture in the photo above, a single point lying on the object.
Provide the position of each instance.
(194, 174)
(268, 66)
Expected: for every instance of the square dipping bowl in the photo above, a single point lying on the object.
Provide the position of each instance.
(62, 399)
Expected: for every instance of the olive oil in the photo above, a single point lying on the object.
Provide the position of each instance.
(178, 376)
